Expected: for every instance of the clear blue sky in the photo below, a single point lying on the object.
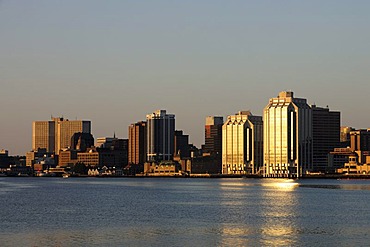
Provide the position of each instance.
(113, 62)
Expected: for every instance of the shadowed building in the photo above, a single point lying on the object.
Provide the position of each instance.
(160, 136)
(287, 136)
(137, 143)
(360, 140)
(82, 141)
(213, 135)
(326, 136)
(181, 144)
(242, 144)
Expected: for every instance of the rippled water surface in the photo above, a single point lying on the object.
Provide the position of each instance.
(183, 212)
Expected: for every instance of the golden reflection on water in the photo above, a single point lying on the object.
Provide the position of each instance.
(279, 213)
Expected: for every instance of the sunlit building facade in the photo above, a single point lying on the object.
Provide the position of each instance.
(242, 144)
(287, 136)
(65, 129)
(137, 143)
(56, 134)
(43, 135)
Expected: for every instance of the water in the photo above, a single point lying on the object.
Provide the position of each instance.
(183, 212)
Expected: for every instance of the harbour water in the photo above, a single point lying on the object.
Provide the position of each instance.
(183, 212)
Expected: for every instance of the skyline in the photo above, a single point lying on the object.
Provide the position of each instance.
(113, 63)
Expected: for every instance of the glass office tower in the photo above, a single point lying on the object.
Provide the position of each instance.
(287, 136)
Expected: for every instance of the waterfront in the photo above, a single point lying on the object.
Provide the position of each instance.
(183, 212)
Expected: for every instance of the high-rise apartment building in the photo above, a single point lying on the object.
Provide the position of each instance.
(242, 144)
(56, 134)
(160, 136)
(137, 143)
(287, 136)
(43, 135)
(325, 136)
(213, 135)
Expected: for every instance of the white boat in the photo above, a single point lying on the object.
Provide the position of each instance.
(65, 175)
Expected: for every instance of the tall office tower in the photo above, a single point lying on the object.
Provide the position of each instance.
(360, 140)
(242, 144)
(137, 143)
(64, 130)
(181, 143)
(43, 135)
(287, 136)
(213, 135)
(325, 136)
(160, 135)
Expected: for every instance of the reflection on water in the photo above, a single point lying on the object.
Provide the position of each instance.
(278, 213)
(183, 212)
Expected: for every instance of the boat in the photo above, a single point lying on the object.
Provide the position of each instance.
(65, 175)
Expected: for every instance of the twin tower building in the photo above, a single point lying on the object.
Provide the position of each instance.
(278, 145)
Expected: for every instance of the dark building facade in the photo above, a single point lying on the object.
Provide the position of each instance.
(181, 144)
(4, 159)
(137, 143)
(360, 140)
(213, 135)
(325, 136)
(81, 141)
(160, 136)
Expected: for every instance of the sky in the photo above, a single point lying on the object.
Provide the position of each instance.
(114, 62)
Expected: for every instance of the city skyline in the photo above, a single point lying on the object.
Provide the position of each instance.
(111, 63)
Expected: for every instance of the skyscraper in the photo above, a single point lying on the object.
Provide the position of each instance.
(43, 135)
(64, 130)
(160, 136)
(213, 135)
(287, 136)
(325, 136)
(137, 143)
(242, 144)
(56, 134)
(181, 143)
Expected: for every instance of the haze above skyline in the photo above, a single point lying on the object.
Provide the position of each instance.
(113, 62)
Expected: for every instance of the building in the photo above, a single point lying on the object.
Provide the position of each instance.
(345, 137)
(82, 141)
(43, 135)
(4, 158)
(242, 144)
(66, 128)
(90, 158)
(137, 143)
(105, 142)
(360, 140)
(67, 157)
(56, 134)
(160, 136)
(161, 169)
(181, 143)
(287, 136)
(325, 136)
(213, 135)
